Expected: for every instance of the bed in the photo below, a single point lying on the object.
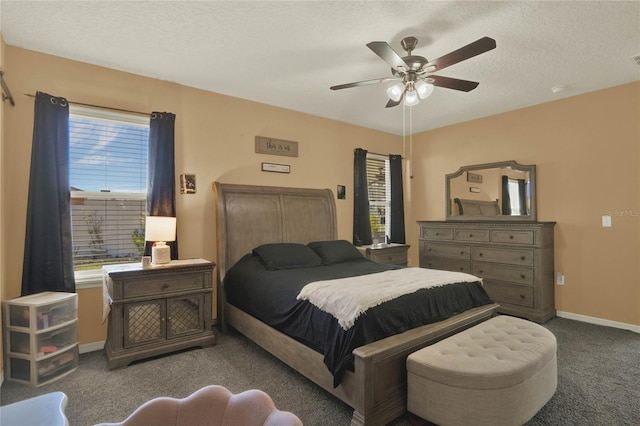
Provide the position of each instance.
(250, 216)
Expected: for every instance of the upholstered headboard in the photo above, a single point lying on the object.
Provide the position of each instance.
(249, 215)
(477, 208)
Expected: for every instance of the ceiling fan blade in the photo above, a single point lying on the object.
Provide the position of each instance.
(382, 49)
(469, 51)
(453, 83)
(363, 83)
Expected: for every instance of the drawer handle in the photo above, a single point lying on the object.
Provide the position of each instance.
(461, 253)
(165, 285)
(523, 276)
(462, 268)
(480, 254)
(511, 237)
(522, 258)
(481, 271)
(429, 250)
(437, 233)
(390, 258)
(522, 296)
(470, 235)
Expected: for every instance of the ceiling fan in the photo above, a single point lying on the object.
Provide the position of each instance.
(414, 73)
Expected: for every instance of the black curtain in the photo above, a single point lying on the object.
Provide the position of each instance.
(161, 188)
(397, 200)
(48, 246)
(506, 200)
(361, 221)
(522, 196)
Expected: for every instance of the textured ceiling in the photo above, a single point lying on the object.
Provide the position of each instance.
(288, 53)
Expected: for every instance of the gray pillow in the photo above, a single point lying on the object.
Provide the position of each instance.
(336, 251)
(287, 256)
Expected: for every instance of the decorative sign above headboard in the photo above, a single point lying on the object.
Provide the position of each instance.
(273, 146)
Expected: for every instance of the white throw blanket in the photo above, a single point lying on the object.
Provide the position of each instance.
(348, 298)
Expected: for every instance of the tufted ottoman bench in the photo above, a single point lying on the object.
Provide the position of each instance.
(499, 372)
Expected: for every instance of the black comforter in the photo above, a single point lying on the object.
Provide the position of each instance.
(270, 296)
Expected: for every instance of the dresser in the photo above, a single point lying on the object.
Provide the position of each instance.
(157, 310)
(392, 253)
(514, 260)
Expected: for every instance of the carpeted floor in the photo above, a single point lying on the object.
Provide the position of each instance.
(598, 381)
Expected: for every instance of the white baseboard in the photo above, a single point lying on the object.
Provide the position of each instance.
(91, 347)
(599, 321)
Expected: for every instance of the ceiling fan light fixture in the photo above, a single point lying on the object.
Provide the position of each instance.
(423, 88)
(395, 92)
(411, 98)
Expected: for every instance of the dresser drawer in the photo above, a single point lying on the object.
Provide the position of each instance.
(523, 276)
(391, 256)
(503, 255)
(480, 235)
(446, 264)
(437, 233)
(513, 294)
(162, 284)
(456, 251)
(512, 237)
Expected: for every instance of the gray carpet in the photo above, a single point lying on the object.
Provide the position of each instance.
(598, 381)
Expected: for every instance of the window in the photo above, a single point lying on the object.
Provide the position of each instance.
(108, 178)
(379, 186)
(518, 206)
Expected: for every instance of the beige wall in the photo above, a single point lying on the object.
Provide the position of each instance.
(2, 201)
(587, 151)
(214, 140)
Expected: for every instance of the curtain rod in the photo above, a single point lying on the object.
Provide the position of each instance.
(6, 94)
(99, 106)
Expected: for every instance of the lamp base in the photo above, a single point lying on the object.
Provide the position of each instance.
(160, 253)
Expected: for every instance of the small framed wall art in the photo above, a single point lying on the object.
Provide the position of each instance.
(276, 168)
(474, 177)
(187, 184)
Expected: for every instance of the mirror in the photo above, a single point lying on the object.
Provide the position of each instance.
(504, 191)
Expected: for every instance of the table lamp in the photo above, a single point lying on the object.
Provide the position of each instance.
(160, 229)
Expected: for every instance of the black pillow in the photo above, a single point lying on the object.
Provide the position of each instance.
(336, 251)
(287, 256)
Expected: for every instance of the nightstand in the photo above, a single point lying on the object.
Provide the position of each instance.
(395, 254)
(157, 310)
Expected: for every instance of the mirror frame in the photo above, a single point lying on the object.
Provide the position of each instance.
(531, 169)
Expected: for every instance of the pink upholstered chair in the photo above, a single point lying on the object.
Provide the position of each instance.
(209, 406)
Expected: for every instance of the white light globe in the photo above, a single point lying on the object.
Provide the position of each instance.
(411, 98)
(395, 92)
(423, 88)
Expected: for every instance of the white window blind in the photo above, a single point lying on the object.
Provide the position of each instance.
(379, 186)
(108, 178)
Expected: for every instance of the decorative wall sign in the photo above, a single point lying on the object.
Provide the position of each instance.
(474, 177)
(187, 184)
(474, 189)
(276, 147)
(277, 168)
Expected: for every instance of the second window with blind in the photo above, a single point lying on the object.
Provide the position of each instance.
(108, 178)
(379, 188)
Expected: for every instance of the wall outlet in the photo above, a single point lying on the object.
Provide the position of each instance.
(559, 278)
(606, 221)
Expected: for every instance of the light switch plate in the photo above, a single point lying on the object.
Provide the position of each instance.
(560, 278)
(606, 221)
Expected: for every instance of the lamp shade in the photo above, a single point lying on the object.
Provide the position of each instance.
(423, 88)
(411, 98)
(395, 92)
(160, 228)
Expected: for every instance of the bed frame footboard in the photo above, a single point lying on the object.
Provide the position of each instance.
(377, 388)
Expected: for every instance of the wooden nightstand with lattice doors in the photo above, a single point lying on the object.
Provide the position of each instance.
(157, 310)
